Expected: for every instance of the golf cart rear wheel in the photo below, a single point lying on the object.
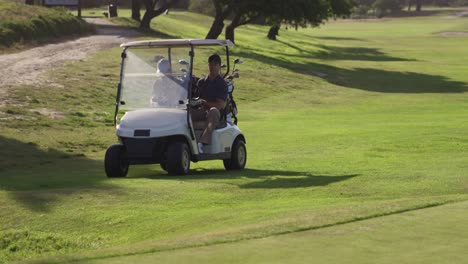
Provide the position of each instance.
(116, 163)
(178, 158)
(238, 156)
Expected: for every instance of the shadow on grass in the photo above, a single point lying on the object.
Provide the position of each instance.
(38, 178)
(354, 53)
(338, 53)
(367, 79)
(266, 179)
(338, 38)
(130, 28)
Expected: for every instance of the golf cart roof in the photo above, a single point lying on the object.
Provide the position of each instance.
(177, 43)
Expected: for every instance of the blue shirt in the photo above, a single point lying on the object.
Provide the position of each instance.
(210, 90)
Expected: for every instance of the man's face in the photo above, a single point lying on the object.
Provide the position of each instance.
(214, 68)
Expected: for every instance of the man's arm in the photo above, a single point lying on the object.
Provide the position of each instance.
(218, 103)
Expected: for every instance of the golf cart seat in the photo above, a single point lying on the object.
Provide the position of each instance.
(199, 127)
(228, 114)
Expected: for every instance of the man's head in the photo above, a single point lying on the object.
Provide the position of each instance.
(215, 58)
(214, 63)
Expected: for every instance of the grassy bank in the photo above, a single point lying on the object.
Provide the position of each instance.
(355, 120)
(22, 24)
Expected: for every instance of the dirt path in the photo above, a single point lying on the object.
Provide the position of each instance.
(27, 67)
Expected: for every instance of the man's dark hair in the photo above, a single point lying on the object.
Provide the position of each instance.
(215, 58)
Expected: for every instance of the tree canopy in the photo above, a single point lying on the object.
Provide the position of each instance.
(298, 12)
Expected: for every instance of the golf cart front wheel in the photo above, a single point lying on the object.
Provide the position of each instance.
(178, 158)
(238, 156)
(116, 163)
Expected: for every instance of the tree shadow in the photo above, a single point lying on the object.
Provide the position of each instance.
(117, 30)
(338, 38)
(354, 53)
(38, 178)
(367, 79)
(266, 179)
(297, 182)
(130, 30)
(340, 53)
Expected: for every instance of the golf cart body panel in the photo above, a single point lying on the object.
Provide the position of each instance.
(222, 139)
(159, 122)
(156, 85)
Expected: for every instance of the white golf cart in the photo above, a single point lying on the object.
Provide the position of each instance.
(156, 126)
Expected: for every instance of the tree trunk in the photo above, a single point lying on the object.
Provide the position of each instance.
(112, 9)
(230, 32)
(136, 6)
(273, 32)
(216, 28)
(151, 13)
(418, 5)
(218, 23)
(231, 27)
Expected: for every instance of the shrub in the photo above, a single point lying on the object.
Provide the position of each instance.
(202, 7)
(361, 10)
(383, 7)
(22, 23)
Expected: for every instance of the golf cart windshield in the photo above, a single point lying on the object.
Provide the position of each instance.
(156, 77)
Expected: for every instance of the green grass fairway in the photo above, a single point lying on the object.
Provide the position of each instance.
(356, 136)
(432, 235)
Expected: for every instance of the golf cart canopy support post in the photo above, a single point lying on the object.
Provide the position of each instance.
(119, 86)
(189, 122)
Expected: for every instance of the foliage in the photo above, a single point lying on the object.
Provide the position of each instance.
(298, 12)
(202, 7)
(305, 12)
(21, 23)
(386, 6)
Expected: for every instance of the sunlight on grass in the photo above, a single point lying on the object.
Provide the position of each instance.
(352, 120)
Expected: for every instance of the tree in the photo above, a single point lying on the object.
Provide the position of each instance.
(205, 7)
(136, 6)
(418, 5)
(296, 12)
(244, 13)
(154, 8)
(222, 10)
(386, 6)
(273, 32)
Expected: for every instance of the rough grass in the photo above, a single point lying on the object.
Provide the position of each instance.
(351, 121)
(23, 24)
